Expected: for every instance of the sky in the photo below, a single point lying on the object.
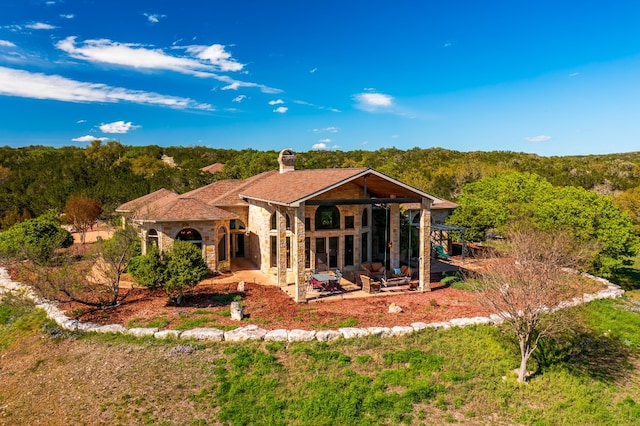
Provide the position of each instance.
(545, 77)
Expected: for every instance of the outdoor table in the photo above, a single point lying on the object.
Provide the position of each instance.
(329, 281)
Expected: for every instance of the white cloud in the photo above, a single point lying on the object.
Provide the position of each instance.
(68, 16)
(81, 121)
(40, 26)
(330, 129)
(574, 74)
(325, 141)
(540, 138)
(154, 17)
(42, 86)
(5, 43)
(373, 101)
(313, 70)
(203, 62)
(118, 127)
(87, 138)
(281, 110)
(276, 102)
(319, 146)
(239, 98)
(217, 56)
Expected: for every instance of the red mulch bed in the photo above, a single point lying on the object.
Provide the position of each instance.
(271, 308)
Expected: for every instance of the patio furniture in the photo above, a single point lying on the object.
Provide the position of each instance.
(440, 253)
(369, 285)
(374, 269)
(328, 282)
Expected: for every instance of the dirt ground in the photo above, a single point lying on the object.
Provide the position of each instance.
(270, 307)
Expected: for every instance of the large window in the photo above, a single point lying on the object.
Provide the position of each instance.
(364, 247)
(190, 235)
(348, 250)
(152, 238)
(222, 244)
(274, 221)
(327, 217)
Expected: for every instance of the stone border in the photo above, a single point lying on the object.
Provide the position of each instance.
(253, 332)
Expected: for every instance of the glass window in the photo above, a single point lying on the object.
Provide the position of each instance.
(274, 252)
(349, 222)
(222, 244)
(327, 217)
(348, 250)
(364, 247)
(190, 235)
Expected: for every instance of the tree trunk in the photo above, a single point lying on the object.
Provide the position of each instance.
(525, 353)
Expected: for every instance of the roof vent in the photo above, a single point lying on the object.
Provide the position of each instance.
(287, 160)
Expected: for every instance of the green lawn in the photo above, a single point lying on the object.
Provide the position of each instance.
(588, 376)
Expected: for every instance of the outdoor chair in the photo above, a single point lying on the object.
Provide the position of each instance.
(369, 285)
(440, 253)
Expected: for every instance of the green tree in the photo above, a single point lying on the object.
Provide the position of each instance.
(184, 269)
(148, 269)
(591, 219)
(34, 239)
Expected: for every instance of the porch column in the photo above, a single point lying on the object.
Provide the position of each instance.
(281, 265)
(425, 245)
(394, 240)
(297, 255)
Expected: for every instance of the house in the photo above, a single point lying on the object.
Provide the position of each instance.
(289, 221)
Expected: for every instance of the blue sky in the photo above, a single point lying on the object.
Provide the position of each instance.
(547, 77)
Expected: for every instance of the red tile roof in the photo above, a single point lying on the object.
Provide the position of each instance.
(289, 187)
(145, 200)
(213, 168)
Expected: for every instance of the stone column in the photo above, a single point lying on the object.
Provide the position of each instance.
(297, 255)
(282, 246)
(394, 238)
(425, 245)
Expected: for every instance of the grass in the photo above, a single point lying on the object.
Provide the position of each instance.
(589, 375)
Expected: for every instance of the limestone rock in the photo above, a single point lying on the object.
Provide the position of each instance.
(417, 326)
(241, 287)
(166, 334)
(400, 330)
(327, 335)
(203, 334)
(352, 332)
(379, 331)
(394, 309)
(236, 311)
(250, 332)
(142, 331)
(279, 335)
(301, 335)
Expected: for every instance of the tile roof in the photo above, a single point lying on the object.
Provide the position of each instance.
(145, 199)
(440, 204)
(213, 168)
(290, 187)
(182, 208)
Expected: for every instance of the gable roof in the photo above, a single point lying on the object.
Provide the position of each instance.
(151, 198)
(184, 209)
(213, 168)
(294, 187)
(225, 192)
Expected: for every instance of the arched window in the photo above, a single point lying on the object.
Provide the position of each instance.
(327, 217)
(190, 235)
(365, 217)
(274, 221)
(236, 224)
(152, 238)
(222, 244)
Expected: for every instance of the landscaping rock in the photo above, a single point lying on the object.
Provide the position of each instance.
(301, 335)
(400, 330)
(203, 334)
(279, 335)
(417, 326)
(352, 332)
(379, 331)
(250, 332)
(166, 334)
(327, 335)
(437, 325)
(142, 332)
(394, 309)
(241, 287)
(110, 328)
(236, 311)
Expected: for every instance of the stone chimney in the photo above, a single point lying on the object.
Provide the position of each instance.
(287, 160)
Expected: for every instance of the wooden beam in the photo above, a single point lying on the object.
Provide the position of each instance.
(371, 201)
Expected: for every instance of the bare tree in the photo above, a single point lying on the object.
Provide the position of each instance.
(93, 280)
(82, 213)
(526, 287)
